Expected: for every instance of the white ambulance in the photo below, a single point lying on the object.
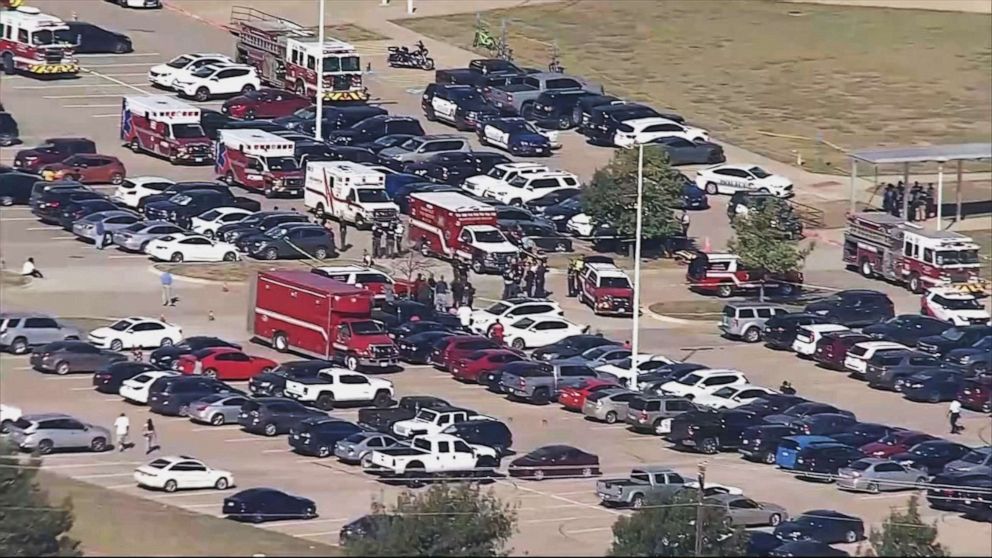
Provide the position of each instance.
(348, 192)
(258, 160)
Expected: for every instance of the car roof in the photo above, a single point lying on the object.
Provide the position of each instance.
(878, 345)
(6, 315)
(46, 416)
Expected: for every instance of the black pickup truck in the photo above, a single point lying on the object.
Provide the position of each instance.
(482, 72)
(382, 420)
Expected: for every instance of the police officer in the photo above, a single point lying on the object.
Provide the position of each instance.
(508, 280)
(398, 237)
(343, 233)
(376, 241)
(390, 244)
(888, 198)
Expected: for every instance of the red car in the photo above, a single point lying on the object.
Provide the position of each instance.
(896, 442)
(224, 363)
(831, 349)
(475, 364)
(976, 395)
(264, 103)
(573, 398)
(90, 168)
(458, 347)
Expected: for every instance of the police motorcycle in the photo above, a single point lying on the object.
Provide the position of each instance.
(402, 57)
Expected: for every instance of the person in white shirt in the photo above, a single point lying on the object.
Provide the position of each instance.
(465, 315)
(122, 426)
(29, 269)
(954, 413)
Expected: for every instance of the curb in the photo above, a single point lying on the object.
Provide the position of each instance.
(669, 319)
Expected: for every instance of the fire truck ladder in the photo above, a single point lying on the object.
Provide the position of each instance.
(246, 14)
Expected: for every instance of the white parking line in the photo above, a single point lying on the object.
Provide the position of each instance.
(590, 530)
(119, 486)
(115, 115)
(128, 257)
(280, 450)
(76, 86)
(320, 534)
(182, 494)
(87, 388)
(34, 228)
(209, 428)
(895, 494)
(86, 465)
(63, 238)
(6, 219)
(128, 75)
(103, 476)
(550, 520)
(195, 506)
(132, 54)
(254, 439)
(520, 486)
(113, 65)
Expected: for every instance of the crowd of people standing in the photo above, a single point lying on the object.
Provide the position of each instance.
(922, 203)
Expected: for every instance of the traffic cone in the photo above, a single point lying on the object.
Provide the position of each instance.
(706, 244)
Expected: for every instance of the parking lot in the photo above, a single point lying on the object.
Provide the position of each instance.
(556, 517)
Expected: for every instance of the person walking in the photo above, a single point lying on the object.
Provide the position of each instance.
(887, 199)
(496, 332)
(441, 296)
(431, 289)
(540, 275)
(343, 234)
(29, 269)
(151, 437)
(457, 290)
(122, 427)
(954, 415)
(166, 280)
(465, 316)
(418, 286)
(99, 232)
(137, 354)
(376, 241)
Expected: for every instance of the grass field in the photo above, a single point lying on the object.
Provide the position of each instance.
(754, 74)
(350, 33)
(110, 523)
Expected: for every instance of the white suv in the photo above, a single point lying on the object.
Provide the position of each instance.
(215, 80)
(531, 186)
(702, 382)
(498, 177)
(508, 311)
(132, 190)
(808, 336)
(858, 356)
(182, 66)
(643, 130)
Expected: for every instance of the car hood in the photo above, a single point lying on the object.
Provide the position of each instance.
(531, 137)
(163, 205)
(936, 341)
(781, 419)
(393, 152)
(495, 247)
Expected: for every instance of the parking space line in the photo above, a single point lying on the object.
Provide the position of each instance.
(64, 378)
(86, 388)
(85, 465)
(113, 65)
(130, 54)
(280, 450)
(102, 95)
(104, 476)
(895, 494)
(589, 530)
(119, 486)
(63, 238)
(320, 534)
(35, 228)
(128, 257)
(115, 115)
(75, 86)
(556, 497)
(181, 494)
(8, 219)
(195, 506)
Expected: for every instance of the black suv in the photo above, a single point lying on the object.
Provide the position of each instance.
(179, 188)
(907, 328)
(173, 394)
(9, 132)
(49, 206)
(16, 187)
(273, 415)
(560, 109)
(854, 308)
(489, 433)
(273, 383)
(781, 329)
(454, 167)
(181, 208)
(317, 436)
(954, 338)
(709, 431)
(292, 240)
(375, 127)
(459, 105)
(258, 223)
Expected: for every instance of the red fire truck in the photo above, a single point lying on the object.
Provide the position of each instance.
(36, 43)
(165, 126)
(455, 226)
(880, 245)
(317, 316)
(258, 160)
(725, 276)
(287, 55)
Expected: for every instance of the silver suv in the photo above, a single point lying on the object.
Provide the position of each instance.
(654, 413)
(19, 332)
(48, 432)
(421, 148)
(746, 320)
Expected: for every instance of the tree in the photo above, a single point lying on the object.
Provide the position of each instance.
(764, 247)
(667, 527)
(29, 524)
(905, 534)
(611, 196)
(449, 519)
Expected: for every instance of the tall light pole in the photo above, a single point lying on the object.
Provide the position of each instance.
(319, 125)
(635, 336)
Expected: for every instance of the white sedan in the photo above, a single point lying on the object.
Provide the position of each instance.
(191, 248)
(508, 311)
(645, 363)
(539, 331)
(181, 66)
(643, 130)
(135, 188)
(178, 472)
(136, 332)
(208, 222)
(727, 179)
(136, 389)
(729, 397)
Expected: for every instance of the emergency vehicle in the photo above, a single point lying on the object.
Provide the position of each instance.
(724, 275)
(958, 306)
(258, 160)
(454, 226)
(36, 43)
(881, 245)
(348, 192)
(286, 55)
(165, 126)
(606, 289)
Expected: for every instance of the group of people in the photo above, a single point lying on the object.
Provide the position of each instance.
(387, 239)
(922, 202)
(442, 296)
(526, 277)
(122, 435)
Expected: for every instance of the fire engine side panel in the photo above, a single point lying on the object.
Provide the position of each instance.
(302, 315)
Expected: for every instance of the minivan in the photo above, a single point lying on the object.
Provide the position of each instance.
(746, 320)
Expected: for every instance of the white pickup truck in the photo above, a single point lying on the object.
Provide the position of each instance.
(337, 385)
(433, 455)
(498, 178)
(433, 421)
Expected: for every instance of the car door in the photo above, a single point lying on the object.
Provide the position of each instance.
(238, 366)
(147, 334)
(443, 107)
(75, 432)
(40, 331)
(197, 249)
(357, 388)
(745, 511)
(84, 358)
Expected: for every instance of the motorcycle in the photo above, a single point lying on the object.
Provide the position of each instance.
(402, 57)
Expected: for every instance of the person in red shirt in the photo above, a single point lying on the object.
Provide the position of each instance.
(496, 332)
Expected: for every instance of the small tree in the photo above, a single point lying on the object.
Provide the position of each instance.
(411, 265)
(667, 527)
(447, 520)
(905, 534)
(764, 247)
(29, 524)
(611, 196)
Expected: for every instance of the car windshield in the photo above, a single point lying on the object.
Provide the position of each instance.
(953, 334)
(518, 181)
(159, 464)
(975, 457)
(276, 232)
(179, 62)
(892, 439)
(187, 131)
(955, 257)
(412, 144)
(373, 196)
(489, 236)
(51, 37)
(927, 450)
(614, 282)
(342, 64)
(466, 95)
(210, 215)
(758, 172)
(180, 199)
(960, 303)
(282, 163)
(689, 379)
(427, 415)
(860, 465)
(121, 325)
(366, 328)
(497, 309)
(596, 352)
(356, 438)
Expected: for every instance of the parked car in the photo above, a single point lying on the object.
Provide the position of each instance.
(947, 491)
(382, 419)
(974, 360)
(573, 398)
(854, 308)
(746, 320)
(368, 527)
(805, 548)
(318, 436)
(256, 505)
(217, 80)
(299, 240)
(552, 198)
(825, 424)
(798, 412)
(110, 377)
(710, 432)
(420, 148)
(772, 404)
(138, 389)
(112, 221)
(684, 151)
(934, 385)
(554, 461)
(22, 331)
(9, 131)
(89, 169)
(136, 332)
(732, 396)
(831, 349)
(217, 409)
(367, 132)
(862, 433)
(790, 447)
(746, 512)
(63, 357)
(896, 442)
(826, 526)
(273, 415)
(16, 187)
(781, 329)
(703, 382)
(173, 395)
(224, 363)
(273, 382)
(608, 405)
(49, 432)
(209, 222)
(165, 357)
(453, 168)
(728, 179)
(417, 348)
(483, 432)
(976, 396)
(931, 456)
(907, 328)
(136, 236)
(889, 370)
(93, 39)
(179, 472)
(356, 448)
(975, 461)
(823, 461)
(808, 336)
(469, 368)
(760, 443)
(185, 247)
(872, 474)
(954, 338)
(859, 355)
(264, 103)
(51, 150)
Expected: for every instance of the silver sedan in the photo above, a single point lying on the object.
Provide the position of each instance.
(133, 238)
(112, 220)
(874, 475)
(358, 447)
(217, 410)
(608, 405)
(746, 512)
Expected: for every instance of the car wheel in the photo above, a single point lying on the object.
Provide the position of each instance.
(915, 284)
(19, 346)
(6, 201)
(518, 343)
(230, 257)
(177, 257)
(934, 398)
(351, 362)
(430, 115)
(382, 400)
(987, 406)
(775, 519)
(117, 179)
(850, 537)
(323, 451)
(217, 419)
(116, 345)
(210, 372)
(752, 335)
(416, 473)
(202, 94)
(769, 458)
(209, 234)
(725, 291)
(564, 123)
(611, 418)
(921, 483)
(8, 64)
(711, 188)
(62, 368)
(541, 396)
(222, 483)
(229, 178)
(45, 447)
(170, 486)
(280, 342)
(477, 267)
(98, 444)
(708, 446)
(538, 475)
(135, 145)
(325, 402)
(270, 429)
(320, 253)
(872, 487)
(366, 461)
(637, 502)
(271, 254)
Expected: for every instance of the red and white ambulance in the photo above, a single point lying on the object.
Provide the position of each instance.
(348, 192)
(36, 43)
(165, 126)
(258, 160)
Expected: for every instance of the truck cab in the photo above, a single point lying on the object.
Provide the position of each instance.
(643, 483)
(165, 126)
(331, 386)
(258, 160)
(432, 421)
(348, 192)
(364, 343)
(432, 454)
(607, 289)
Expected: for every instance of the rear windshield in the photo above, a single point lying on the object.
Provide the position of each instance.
(857, 350)
(597, 395)
(789, 444)
(533, 372)
(730, 311)
(23, 424)
(637, 404)
(859, 465)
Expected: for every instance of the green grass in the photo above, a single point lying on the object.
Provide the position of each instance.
(351, 33)
(110, 523)
(752, 73)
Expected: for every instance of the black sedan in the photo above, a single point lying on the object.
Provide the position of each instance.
(684, 152)
(256, 505)
(823, 461)
(392, 140)
(367, 527)
(772, 404)
(539, 237)
(930, 457)
(163, 357)
(571, 346)
(416, 348)
(77, 210)
(907, 328)
(97, 40)
(954, 338)
(272, 383)
(560, 213)
(863, 433)
(826, 526)
(933, 386)
(15, 188)
(394, 314)
(453, 168)
(694, 197)
(108, 379)
(538, 205)
(555, 461)
(408, 329)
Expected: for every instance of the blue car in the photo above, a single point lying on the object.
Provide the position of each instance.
(790, 446)
(694, 197)
(515, 135)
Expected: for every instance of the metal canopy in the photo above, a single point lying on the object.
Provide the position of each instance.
(924, 153)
